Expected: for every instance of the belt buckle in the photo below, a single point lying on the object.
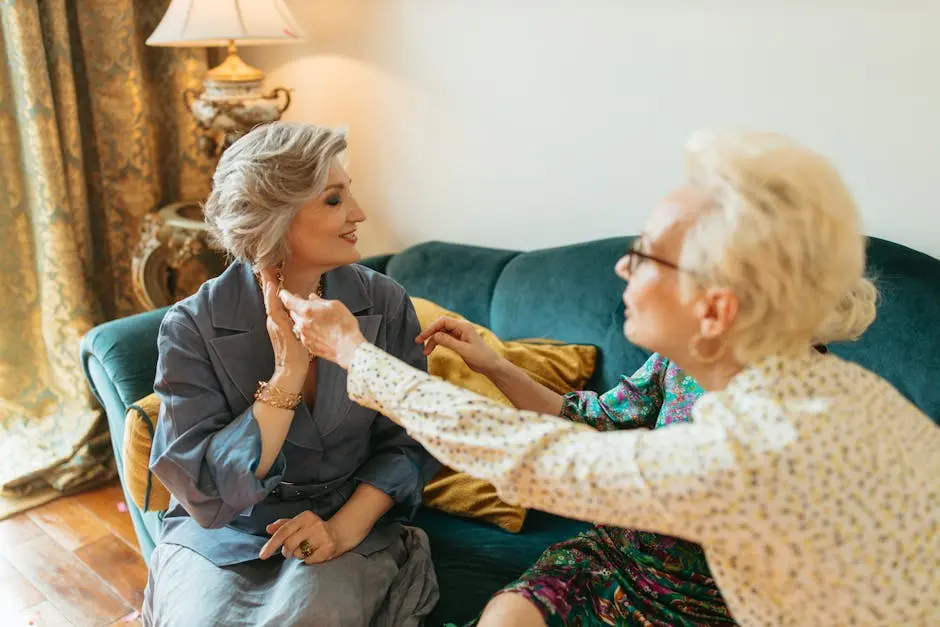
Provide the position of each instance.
(278, 491)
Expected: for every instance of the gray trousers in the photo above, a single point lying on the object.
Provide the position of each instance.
(395, 587)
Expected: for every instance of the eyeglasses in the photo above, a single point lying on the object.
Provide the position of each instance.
(635, 257)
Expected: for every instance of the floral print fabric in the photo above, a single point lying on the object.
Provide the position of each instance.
(614, 576)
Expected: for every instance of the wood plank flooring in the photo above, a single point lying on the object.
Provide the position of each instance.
(73, 562)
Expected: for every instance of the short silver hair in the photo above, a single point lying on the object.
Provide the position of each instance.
(782, 231)
(260, 183)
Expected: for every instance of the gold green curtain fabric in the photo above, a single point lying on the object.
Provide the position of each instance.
(93, 136)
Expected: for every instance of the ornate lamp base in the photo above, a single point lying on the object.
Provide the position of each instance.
(232, 102)
(173, 255)
(223, 120)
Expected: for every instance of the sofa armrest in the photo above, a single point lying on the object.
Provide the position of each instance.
(119, 359)
(126, 351)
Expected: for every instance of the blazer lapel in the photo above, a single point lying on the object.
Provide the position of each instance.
(241, 344)
(247, 358)
(333, 404)
(370, 325)
(304, 430)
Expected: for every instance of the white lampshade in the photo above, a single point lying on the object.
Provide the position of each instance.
(217, 22)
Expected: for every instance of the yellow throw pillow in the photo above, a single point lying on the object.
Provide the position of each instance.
(145, 490)
(560, 367)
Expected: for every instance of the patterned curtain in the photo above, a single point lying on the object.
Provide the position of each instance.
(93, 136)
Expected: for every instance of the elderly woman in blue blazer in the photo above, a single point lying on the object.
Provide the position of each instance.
(287, 496)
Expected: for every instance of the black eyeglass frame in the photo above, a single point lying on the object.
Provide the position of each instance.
(635, 257)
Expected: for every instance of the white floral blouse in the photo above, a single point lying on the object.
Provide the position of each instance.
(811, 483)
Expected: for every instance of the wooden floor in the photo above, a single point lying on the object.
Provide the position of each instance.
(72, 563)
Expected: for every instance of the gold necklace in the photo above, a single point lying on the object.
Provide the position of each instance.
(280, 283)
(318, 291)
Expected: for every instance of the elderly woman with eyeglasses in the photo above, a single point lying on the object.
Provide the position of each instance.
(610, 575)
(809, 510)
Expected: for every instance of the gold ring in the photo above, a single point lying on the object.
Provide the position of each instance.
(305, 549)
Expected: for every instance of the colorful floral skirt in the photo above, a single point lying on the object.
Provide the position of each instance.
(610, 576)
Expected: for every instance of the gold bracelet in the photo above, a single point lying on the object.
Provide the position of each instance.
(270, 394)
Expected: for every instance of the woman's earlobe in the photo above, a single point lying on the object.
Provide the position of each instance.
(710, 328)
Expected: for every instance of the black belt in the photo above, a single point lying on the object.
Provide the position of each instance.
(295, 491)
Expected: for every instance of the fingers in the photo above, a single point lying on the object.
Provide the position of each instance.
(300, 310)
(292, 542)
(430, 346)
(269, 290)
(324, 549)
(450, 325)
(277, 524)
(273, 306)
(289, 533)
(314, 531)
(446, 340)
(269, 275)
(294, 304)
(323, 553)
(277, 539)
(298, 324)
(325, 327)
(430, 330)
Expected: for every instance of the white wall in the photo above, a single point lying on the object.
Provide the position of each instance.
(532, 123)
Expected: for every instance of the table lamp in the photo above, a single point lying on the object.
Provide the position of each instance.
(173, 255)
(231, 101)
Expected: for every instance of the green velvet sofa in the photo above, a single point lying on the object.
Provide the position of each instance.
(569, 294)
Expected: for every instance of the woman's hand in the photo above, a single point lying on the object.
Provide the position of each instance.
(323, 541)
(291, 358)
(462, 338)
(326, 327)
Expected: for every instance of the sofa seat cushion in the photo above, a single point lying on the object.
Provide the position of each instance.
(474, 560)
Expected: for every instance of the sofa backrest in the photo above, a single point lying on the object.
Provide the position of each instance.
(571, 294)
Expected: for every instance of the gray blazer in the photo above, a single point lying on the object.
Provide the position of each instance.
(213, 350)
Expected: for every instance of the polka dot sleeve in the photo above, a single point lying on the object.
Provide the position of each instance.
(549, 463)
